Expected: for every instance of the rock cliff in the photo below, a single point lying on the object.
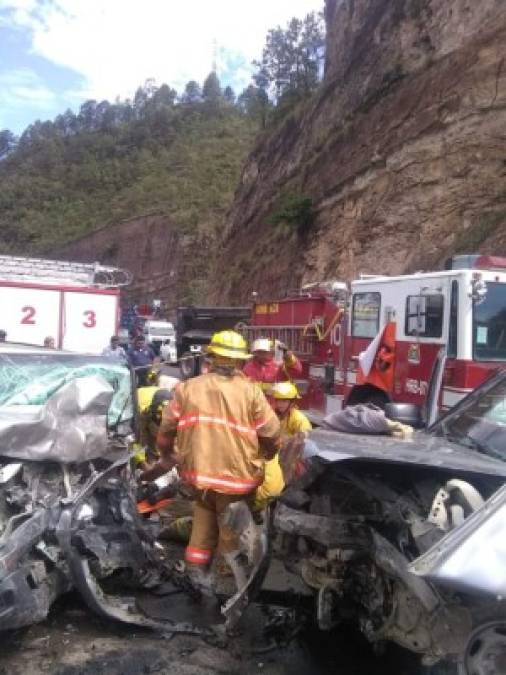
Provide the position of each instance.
(165, 263)
(402, 153)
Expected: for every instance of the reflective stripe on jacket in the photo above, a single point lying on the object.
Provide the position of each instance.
(218, 419)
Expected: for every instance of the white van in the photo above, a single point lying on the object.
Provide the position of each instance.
(162, 337)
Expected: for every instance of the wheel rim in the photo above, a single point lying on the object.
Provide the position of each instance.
(486, 650)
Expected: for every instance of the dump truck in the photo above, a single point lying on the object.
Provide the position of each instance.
(195, 327)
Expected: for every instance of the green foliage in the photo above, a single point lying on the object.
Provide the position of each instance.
(292, 58)
(295, 211)
(255, 103)
(211, 89)
(114, 161)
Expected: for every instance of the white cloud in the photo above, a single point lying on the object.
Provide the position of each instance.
(23, 87)
(117, 44)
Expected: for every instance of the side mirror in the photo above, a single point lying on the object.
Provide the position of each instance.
(406, 413)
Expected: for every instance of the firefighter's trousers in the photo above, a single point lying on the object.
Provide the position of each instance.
(208, 532)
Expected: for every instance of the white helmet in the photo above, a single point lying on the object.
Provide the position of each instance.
(262, 345)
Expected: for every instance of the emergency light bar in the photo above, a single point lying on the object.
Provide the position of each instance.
(475, 262)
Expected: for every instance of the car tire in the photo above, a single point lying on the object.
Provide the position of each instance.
(485, 651)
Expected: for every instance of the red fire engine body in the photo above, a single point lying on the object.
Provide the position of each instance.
(407, 318)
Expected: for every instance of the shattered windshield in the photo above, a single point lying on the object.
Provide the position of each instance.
(31, 379)
(480, 422)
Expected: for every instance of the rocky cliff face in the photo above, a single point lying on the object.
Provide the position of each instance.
(402, 152)
(164, 263)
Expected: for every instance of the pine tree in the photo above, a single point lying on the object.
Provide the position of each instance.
(8, 142)
(192, 93)
(229, 95)
(211, 89)
(292, 58)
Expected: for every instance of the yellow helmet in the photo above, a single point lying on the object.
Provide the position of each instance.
(152, 376)
(229, 344)
(284, 391)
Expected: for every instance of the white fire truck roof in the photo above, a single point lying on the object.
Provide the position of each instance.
(14, 268)
(465, 265)
(369, 279)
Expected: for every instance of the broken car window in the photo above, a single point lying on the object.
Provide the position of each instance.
(481, 423)
(30, 379)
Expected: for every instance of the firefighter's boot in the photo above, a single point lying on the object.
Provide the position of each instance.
(201, 578)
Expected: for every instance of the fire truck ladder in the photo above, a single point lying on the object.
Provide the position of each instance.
(14, 268)
(293, 336)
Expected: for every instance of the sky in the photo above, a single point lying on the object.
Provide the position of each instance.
(55, 54)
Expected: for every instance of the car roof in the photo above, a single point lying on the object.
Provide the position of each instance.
(25, 348)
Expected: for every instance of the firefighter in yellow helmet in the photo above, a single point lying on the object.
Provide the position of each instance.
(225, 430)
(284, 396)
(151, 405)
(150, 401)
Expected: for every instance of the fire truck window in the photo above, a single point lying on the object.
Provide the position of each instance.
(424, 315)
(489, 324)
(366, 314)
(454, 313)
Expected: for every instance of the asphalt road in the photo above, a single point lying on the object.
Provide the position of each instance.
(72, 641)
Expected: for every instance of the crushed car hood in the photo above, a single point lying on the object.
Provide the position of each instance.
(422, 449)
(70, 427)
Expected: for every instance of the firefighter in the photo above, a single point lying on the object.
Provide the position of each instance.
(151, 401)
(225, 429)
(265, 370)
(284, 397)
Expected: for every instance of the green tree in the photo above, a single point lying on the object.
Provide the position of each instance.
(254, 102)
(292, 58)
(164, 96)
(117, 160)
(192, 93)
(8, 142)
(87, 115)
(229, 95)
(211, 89)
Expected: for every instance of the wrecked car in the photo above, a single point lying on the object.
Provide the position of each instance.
(68, 515)
(407, 538)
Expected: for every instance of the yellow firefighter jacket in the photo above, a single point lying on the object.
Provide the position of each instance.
(274, 483)
(218, 419)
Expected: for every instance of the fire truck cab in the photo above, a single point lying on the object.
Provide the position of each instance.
(409, 317)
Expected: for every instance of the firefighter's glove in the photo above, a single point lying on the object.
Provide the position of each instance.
(281, 345)
(399, 430)
(139, 456)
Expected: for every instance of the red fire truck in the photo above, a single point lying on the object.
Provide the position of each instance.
(396, 324)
